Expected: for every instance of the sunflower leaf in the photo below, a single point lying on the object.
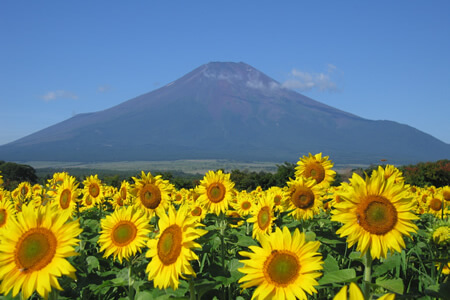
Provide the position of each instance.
(344, 275)
(388, 264)
(394, 285)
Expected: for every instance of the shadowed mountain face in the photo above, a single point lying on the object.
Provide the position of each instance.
(225, 111)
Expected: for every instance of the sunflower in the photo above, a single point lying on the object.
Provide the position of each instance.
(215, 191)
(316, 167)
(277, 194)
(6, 213)
(152, 193)
(354, 292)
(440, 235)
(171, 250)
(1, 180)
(93, 189)
(33, 253)
(284, 267)
(446, 193)
(23, 192)
(196, 211)
(375, 213)
(123, 233)
(262, 217)
(67, 194)
(390, 170)
(244, 203)
(303, 196)
(436, 205)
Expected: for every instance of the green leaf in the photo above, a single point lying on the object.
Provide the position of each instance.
(344, 275)
(310, 236)
(92, 263)
(387, 265)
(355, 255)
(394, 285)
(330, 264)
(439, 290)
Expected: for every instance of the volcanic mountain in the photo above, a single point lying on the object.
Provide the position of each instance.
(224, 110)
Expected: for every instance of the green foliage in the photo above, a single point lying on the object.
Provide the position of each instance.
(14, 173)
(428, 173)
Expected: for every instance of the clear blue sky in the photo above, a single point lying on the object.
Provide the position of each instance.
(381, 60)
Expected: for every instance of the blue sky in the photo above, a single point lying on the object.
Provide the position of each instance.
(381, 60)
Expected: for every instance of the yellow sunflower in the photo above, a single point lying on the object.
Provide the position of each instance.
(23, 192)
(215, 191)
(6, 213)
(1, 180)
(437, 206)
(446, 193)
(390, 170)
(375, 213)
(171, 250)
(33, 253)
(316, 167)
(123, 233)
(277, 194)
(67, 195)
(152, 193)
(303, 196)
(244, 203)
(125, 192)
(93, 190)
(284, 267)
(196, 211)
(354, 293)
(262, 217)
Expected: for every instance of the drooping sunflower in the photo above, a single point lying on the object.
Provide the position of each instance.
(172, 249)
(123, 233)
(152, 193)
(215, 191)
(284, 267)
(33, 253)
(316, 167)
(67, 194)
(304, 197)
(262, 217)
(93, 189)
(375, 214)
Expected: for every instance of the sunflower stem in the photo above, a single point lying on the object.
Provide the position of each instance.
(367, 260)
(222, 227)
(130, 282)
(192, 289)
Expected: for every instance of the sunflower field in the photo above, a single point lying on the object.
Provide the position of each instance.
(371, 237)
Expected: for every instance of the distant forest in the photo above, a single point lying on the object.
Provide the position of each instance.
(422, 174)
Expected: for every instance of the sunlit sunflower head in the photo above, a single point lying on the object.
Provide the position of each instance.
(171, 251)
(109, 191)
(303, 197)
(277, 194)
(215, 191)
(244, 203)
(67, 194)
(124, 233)
(24, 191)
(152, 193)
(284, 267)
(262, 216)
(195, 210)
(125, 192)
(117, 201)
(446, 193)
(7, 213)
(316, 167)
(33, 253)
(437, 206)
(37, 190)
(58, 178)
(4, 195)
(375, 213)
(440, 234)
(93, 188)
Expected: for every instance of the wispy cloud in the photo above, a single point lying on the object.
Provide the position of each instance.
(305, 81)
(103, 88)
(59, 94)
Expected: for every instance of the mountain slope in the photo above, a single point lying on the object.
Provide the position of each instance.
(224, 111)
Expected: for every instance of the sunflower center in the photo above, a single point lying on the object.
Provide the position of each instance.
(376, 214)
(277, 200)
(216, 192)
(94, 190)
(3, 216)
(281, 268)
(169, 245)
(315, 170)
(24, 191)
(436, 204)
(120, 201)
(88, 201)
(35, 249)
(303, 197)
(123, 233)
(446, 195)
(64, 199)
(246, 205)
(264, 217)
(150, 196)
(197, 211)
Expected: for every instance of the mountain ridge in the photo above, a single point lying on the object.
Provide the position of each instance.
(224, 110)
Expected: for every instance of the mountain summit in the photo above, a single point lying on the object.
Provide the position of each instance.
(224, 110)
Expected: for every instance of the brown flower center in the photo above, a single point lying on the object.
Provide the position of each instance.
(169, 245)
(376, 214)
